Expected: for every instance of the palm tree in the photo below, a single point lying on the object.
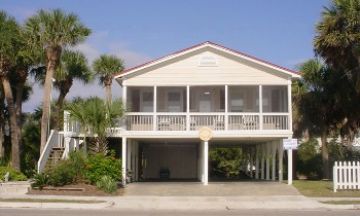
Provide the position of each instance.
(73, 66)
(317, 108)
(9, 38)
(96, 117)
(105, 67)
(338, 38)
(53, 31)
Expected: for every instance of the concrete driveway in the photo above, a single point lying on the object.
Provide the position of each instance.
(253, 188)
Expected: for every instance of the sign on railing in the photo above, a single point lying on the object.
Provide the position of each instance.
(346, 175)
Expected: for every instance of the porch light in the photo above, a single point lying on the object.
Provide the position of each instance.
(206, 93)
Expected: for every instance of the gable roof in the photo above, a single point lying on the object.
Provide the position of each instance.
(176, 54)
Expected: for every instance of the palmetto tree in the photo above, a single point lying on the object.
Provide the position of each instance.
(338, 38)
(9, 38)
(337, 41)
(53, 31)
(96, 116)
(317, 108)
(105, 67)
(73, 66)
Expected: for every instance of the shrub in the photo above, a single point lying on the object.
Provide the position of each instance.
(40, 180)
(309, 159)
(99, 165)
(14, 174)
(226, 162)
(107, 184)
(62, 174)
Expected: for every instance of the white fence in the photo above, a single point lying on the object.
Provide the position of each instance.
(346, 175)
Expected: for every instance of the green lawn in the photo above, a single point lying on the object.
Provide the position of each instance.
(321, 189)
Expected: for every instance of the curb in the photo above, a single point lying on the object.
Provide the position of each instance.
(48, 205)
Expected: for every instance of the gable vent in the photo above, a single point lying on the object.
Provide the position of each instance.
(208, 61)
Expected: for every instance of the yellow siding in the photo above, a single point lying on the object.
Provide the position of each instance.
(186, 71)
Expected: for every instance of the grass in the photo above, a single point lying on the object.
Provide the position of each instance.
(50, 200)
(342, 202)
(322, 189)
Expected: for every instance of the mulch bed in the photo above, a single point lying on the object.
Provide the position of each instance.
(75, 190)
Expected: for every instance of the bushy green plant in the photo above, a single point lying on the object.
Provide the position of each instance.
(107, 184)
(309, 159)
(226, 161)
(40, 180)
(100, 165)
(14, 174)
(62, 174)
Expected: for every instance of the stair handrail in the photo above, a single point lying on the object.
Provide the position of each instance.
(50, 143)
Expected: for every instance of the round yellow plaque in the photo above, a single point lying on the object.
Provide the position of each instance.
(205, 133)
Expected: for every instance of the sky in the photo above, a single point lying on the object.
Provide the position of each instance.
(279, 31)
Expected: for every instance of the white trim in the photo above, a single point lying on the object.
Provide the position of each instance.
(204, 45)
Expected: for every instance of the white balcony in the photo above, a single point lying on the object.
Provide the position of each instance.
(252, 109)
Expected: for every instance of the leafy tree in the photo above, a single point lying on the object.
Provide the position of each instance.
(105, 67)
(96, 117)
(73, 66)
(53, 31)
(9, 38)
(337, 41)
(318, 110)
(226, 161)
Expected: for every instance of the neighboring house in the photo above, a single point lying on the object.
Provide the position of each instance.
(245, 102)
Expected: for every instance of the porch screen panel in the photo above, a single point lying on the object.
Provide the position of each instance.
(207, 99)
(171, 99)
(275, 99)
(243, 98)
(140, 99)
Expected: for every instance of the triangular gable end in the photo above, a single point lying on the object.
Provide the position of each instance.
(208, 44)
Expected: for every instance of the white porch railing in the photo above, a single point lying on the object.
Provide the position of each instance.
(244, 122)
(55, 139)
(276, 121)
(182, 121)
(346, 175)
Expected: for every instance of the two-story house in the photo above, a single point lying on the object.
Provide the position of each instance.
(240, 100)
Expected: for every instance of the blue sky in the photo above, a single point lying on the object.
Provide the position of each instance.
(280, 31)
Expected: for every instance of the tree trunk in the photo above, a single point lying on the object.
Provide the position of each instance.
(107, 84)
(18, 108)
(2, 124)
(325, 156)
(53, 56)
(64, 90)
(15, 150)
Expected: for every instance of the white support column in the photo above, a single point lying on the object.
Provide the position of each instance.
(280, 158)
(262, 162)
(267, 161)
(226, 107)
(188, 108)
(289, 105)
(257, 162)
(206, 162)
(290, 162)
(124, 100)
(155, 109)
(273, 162)
(123, 160)
(261, 122)
(251, 163)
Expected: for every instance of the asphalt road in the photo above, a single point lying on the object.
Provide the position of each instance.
(43, 212)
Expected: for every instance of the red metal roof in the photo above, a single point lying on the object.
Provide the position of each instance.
(201, 44)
